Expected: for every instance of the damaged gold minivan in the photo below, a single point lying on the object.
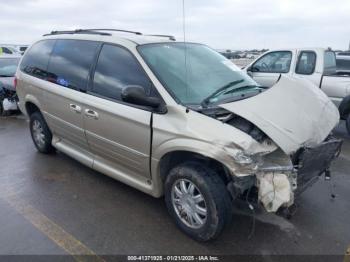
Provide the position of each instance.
(176, 119)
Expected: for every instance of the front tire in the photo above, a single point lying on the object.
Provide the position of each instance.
(41, 133)
(198, 201)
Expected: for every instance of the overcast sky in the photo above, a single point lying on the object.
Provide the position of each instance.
(234, 24)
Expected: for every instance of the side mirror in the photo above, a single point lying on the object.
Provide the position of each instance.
(252, 69)
(249, 71)
(137, 95)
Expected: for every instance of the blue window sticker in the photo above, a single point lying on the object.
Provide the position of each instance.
(61, 81)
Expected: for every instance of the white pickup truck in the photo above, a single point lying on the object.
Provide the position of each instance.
(317, 65)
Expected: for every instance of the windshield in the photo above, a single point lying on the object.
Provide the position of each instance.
(8, 66)
(203, 76)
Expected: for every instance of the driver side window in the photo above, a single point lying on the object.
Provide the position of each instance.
(117, 68)
(274, 62)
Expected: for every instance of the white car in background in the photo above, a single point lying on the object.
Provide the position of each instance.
(317, 65)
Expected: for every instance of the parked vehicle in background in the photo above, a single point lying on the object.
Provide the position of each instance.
(13, 49)
(8, 96)
(8, 50)
(20, 48)
(346, 53)
(23, 48)
(127, 106)
(343, 64)
(318, 65)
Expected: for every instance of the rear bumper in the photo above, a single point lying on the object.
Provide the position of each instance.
(313, 162)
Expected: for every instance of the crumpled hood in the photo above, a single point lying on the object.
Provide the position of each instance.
(7, 82)
(293, 113)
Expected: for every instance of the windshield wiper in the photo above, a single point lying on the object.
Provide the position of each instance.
(219, 91)
(6, 76)
(241, 88)
(238, 89)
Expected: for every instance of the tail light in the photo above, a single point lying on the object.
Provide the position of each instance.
(15, 82)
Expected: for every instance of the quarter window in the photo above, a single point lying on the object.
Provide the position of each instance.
(306, 63)
(117, 68)
(35, 61)
(70, 63)
(274, 62)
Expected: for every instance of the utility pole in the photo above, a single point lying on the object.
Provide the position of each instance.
(349, 45)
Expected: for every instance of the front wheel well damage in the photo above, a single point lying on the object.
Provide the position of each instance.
(173, 159)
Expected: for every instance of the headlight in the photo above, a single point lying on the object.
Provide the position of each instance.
(242, 159)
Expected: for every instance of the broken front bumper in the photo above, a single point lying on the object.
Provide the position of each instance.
(279, 185)
(313, 162)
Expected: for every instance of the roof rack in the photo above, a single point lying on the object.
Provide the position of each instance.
(133, 32)
(77, 31)
(96, 31)
(116, 30)
(167, 36)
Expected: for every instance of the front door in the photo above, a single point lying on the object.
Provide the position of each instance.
(118, 134)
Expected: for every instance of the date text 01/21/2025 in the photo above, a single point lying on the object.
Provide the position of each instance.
(173, 258)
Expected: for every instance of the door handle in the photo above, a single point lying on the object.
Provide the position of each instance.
(75, 108)
(91, 113)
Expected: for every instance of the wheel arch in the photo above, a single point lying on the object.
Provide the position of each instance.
(174, 158)
(31, 105)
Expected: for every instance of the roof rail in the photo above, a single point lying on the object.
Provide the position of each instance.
(77, 31)
(97, 31)
(167, 36)
(133, 32)
(115, 30)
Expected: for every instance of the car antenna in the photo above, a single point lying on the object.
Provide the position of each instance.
(185, 46)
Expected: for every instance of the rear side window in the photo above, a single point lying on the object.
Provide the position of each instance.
(343, 64)
(306, 63)
(274, 62)
(330, 64)
(70, 63)
(35, 61)
(117, 68)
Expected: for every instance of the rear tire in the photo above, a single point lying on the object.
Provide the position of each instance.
(348, 123)
(41, 134)
(201, 220)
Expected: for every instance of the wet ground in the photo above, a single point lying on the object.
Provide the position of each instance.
(51, 204)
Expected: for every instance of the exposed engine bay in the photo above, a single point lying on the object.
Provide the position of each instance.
(236, 121)
(279, 177)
